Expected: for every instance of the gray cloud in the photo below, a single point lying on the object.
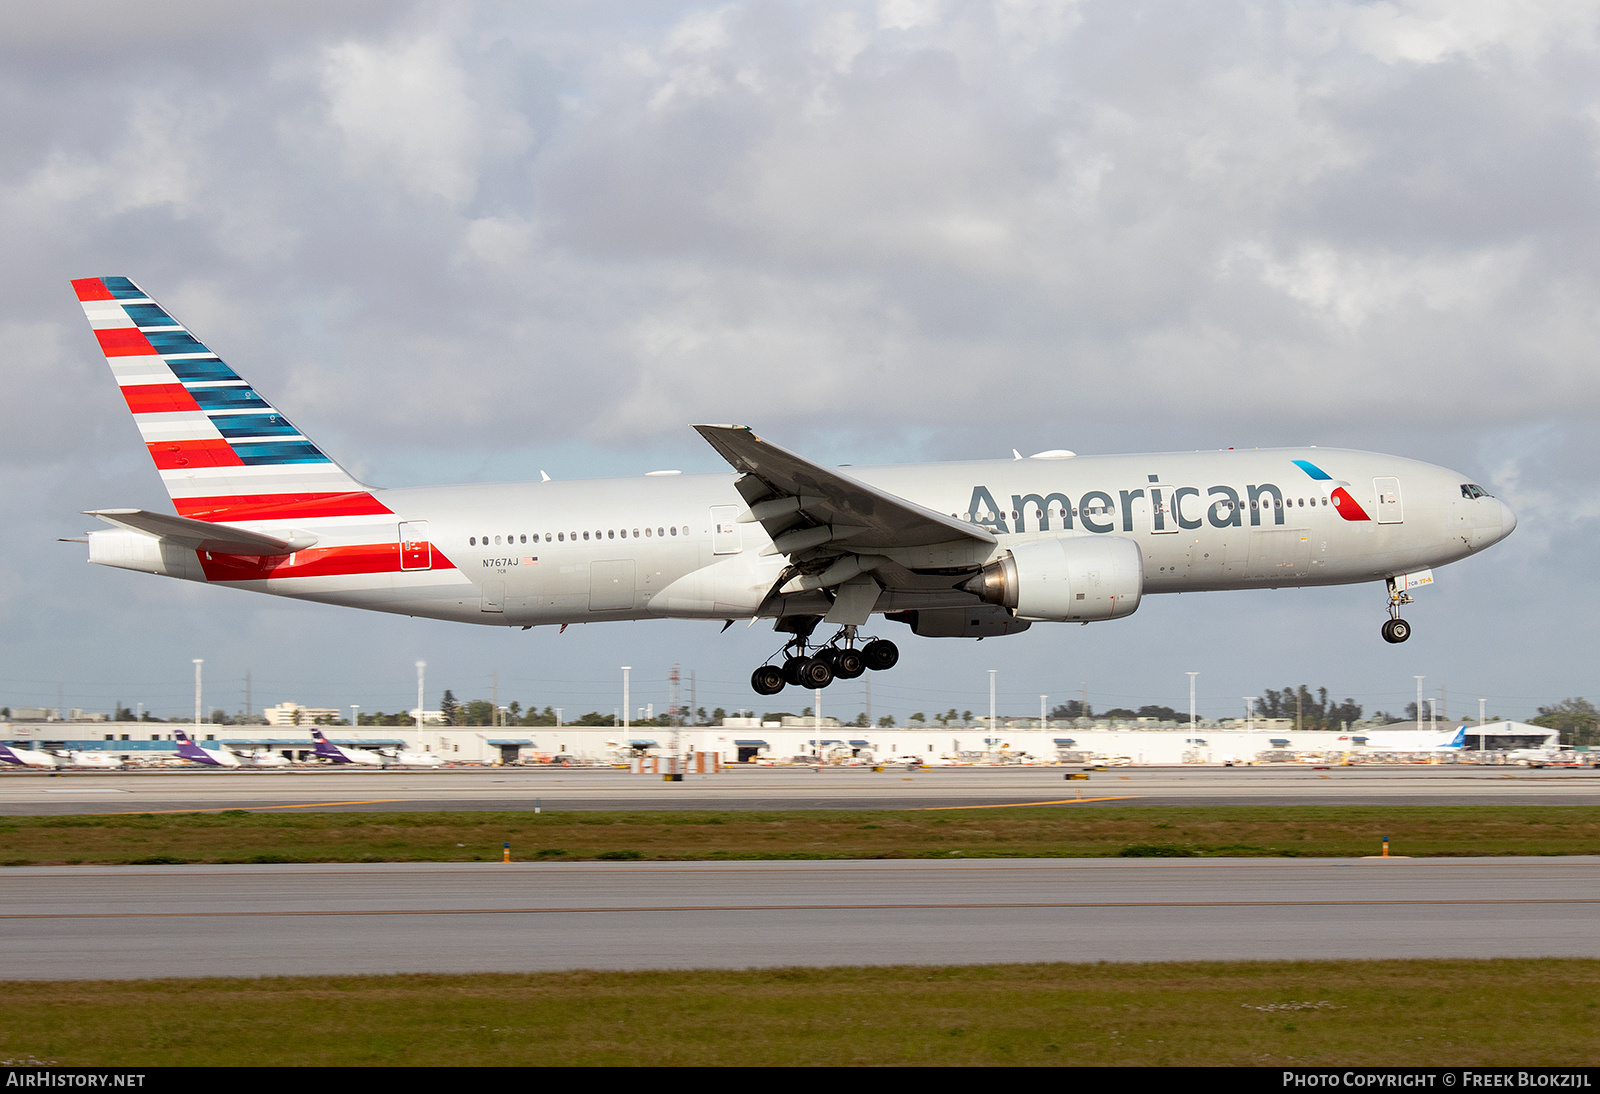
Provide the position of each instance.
(479, 240)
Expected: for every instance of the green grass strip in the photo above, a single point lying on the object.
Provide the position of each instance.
(1340, 1013)
(1039, 832)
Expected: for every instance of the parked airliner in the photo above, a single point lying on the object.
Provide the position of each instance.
(25, 757)
(399, 757)
(101, 760)
(343, 754)
(975, 549)
(190, 749)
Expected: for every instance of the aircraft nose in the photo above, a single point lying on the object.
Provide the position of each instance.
(1508, 520)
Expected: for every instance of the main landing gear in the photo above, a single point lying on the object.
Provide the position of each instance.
(838, 659)
(1395, 629)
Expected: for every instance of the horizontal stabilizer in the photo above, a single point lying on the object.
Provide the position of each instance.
(203, 535)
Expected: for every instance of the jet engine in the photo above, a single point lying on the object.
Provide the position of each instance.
(1068, 579)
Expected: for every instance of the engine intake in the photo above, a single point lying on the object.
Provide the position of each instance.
(1069, 579)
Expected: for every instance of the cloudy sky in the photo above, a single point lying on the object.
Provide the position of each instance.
(467, 242)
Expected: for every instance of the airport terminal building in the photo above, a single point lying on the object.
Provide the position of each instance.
(808, 740)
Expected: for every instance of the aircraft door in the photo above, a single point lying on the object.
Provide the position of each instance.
(1163, 521)
(725, 538)
(416, 552)
(1388, 491)
(494, 594)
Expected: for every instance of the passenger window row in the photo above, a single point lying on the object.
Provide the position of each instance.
(563, 537)
(1264, 503)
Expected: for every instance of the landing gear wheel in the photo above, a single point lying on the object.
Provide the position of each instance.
(767, 680)
(1396, 630)
(816, 673)
(880, 654)
(829, 656)
(848, 664)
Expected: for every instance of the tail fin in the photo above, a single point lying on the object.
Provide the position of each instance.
(188, 749)
(327, 749)
(224, 452)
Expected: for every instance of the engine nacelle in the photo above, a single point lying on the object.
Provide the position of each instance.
(1071, 579)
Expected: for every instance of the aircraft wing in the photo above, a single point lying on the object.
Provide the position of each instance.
(781, 487)
(202, 535)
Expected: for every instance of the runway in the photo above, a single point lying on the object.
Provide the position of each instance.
(507, 788)
(136, 922)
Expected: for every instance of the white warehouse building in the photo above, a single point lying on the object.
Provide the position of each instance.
(806, 740)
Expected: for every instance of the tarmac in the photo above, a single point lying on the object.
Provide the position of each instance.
(25, 792)
(126, 922)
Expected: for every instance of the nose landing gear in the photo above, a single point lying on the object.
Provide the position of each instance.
(1395, 629)
(837, 659)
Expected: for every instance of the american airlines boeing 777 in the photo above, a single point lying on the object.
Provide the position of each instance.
(973, 550)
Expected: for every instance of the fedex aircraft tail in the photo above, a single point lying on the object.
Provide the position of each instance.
(224, 452)
(26, 757)
(326, 748)
(189, 749)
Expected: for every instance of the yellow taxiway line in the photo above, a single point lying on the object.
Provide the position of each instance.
(230, 808)
(1020, 805)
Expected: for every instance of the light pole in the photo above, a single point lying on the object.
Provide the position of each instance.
(993, 724)
(625, 700)
(1419, 701)
(1191, 676)
(198, 661)
(421, 667)
(1250, 712)
(1042, 725)
(354, 709)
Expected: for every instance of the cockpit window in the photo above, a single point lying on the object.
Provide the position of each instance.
(1471, 490)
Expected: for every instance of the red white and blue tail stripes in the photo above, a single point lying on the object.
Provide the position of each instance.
(224, 452)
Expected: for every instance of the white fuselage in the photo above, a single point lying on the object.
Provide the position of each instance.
(17, 756)
(93, 759)
(671, 546)
(417, 759)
